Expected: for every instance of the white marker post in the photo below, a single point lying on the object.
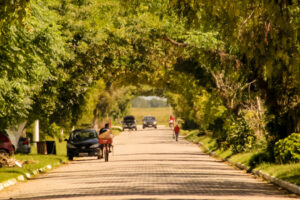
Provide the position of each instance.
(36, 132)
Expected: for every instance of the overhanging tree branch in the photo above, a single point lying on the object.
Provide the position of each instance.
(165, 37)
(221, 53)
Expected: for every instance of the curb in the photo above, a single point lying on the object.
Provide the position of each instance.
(27, 176)
(284, 184)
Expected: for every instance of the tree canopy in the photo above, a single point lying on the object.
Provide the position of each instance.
(231, 68)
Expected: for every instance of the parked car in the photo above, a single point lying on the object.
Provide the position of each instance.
(129, 122)
(6, 147)
(24, 145)
(149, 121)
(83, 142)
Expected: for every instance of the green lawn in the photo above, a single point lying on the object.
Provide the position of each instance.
(288, 172)
(35, 161)
(162, 114)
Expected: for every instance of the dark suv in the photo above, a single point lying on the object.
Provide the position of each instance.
(149, 121)
(83, 142)
(129, 122)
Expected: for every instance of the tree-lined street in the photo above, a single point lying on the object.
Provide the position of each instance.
(147, 164)
(229, 69)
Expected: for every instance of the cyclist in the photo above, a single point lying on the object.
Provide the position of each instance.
(176, 131)
(107, 133)
(106, 128)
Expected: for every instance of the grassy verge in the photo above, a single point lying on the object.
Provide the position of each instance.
(287, 172)
(34, 162)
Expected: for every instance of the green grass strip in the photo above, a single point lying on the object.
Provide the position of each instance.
(287, 172)
(34, 162)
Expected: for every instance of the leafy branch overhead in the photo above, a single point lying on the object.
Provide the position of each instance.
(221, 64)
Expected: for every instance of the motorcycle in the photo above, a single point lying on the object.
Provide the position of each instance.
(171, 123)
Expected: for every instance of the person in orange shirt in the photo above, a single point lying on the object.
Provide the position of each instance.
(176, 131)
(102, 131)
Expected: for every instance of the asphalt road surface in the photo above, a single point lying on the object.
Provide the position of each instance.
(147, 164)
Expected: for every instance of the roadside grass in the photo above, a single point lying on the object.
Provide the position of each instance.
(162, 114)
(35, 161)
(288, 172)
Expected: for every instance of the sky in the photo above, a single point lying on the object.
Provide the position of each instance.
(153, 97)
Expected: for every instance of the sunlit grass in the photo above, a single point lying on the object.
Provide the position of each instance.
(61, 148)
(162, 114)
(243, 158)
(288, 172)
(33, 162)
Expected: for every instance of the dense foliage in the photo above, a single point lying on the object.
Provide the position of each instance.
(288, 149)
(229, 68)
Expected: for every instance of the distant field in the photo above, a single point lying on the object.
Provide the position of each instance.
(162, 114)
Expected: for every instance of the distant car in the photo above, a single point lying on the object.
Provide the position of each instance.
(83, 142)
(6, 147)
(129, 122)
(24, 145)
(149, 121)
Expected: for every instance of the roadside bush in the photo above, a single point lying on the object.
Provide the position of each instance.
(189, 124)
(219, 133)
(240, 136)
(259, 158)
(288, 149)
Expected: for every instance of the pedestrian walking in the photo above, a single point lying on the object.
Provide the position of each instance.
(176, 131)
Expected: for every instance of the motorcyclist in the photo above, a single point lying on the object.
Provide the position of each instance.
(171, 121)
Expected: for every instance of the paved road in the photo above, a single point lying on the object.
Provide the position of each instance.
(146, 164)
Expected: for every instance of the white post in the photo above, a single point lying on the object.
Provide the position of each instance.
(36, 132)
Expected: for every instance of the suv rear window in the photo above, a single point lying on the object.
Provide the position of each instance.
(80, 135)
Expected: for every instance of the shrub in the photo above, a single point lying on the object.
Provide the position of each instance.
(259, 158)
(288, 149)
(240, 136)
